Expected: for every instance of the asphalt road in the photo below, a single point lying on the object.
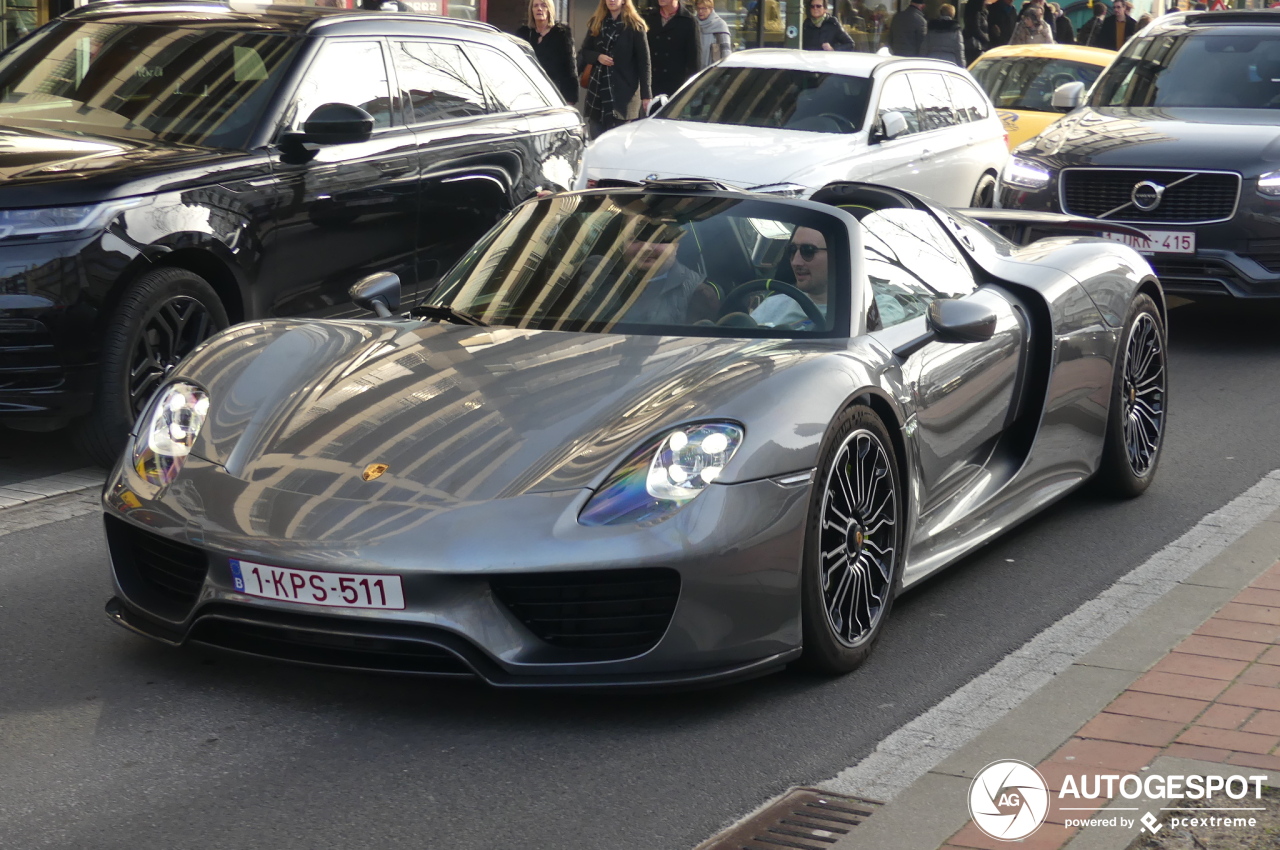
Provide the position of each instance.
(109, 741)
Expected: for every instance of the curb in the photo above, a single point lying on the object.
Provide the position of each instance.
(21, 493)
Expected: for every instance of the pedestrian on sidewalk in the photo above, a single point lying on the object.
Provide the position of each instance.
(1063, 32)
(617, 52)
(1085, 35)
(1115, 29)
(713, 32)
(674, 45)
(1031, 28)
(821, 31)
(977, 32)
(908, 30)
(1001, 18)
(552, 43)
(943, 40)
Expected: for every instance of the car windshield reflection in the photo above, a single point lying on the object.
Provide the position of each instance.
(658, 264)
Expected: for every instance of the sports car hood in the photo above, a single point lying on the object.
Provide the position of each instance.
(739, 156)
(462, 413)
(1244, 140)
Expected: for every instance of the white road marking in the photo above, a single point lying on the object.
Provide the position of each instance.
(916, 748)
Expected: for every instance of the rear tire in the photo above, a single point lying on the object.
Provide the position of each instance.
(1139, 403)
(160, 319)
(984, 194)
(853, 542)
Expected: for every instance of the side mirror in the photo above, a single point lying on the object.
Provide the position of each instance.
(378, 293)
(961, 320)
(952, 320)
(1068, 96)
(657, 103)
(892, 125)
(338, 124)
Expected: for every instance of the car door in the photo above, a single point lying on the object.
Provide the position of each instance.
(467, 145)
(962, 395)
(902, 160)
(347, 210)
(945, 164)
(983, 139)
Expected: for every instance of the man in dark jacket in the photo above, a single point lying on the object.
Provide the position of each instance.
(1087, 28)
(1115, 29)
(821, 31)
(1063, 32)
(977, 36)
(1001, 19)
(673, 46)
(908, 30)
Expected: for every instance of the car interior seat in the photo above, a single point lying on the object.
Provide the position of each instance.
(861, 199)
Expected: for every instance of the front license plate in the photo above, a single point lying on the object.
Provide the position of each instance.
(1158, 241)
(310, 587)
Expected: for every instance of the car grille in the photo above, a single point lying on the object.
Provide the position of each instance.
(1201, 196)
(175, 570)
(27, 357)
(617, 612)
(1194, 276)
(1266, 253)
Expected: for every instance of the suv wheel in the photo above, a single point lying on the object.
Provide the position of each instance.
(162, 317)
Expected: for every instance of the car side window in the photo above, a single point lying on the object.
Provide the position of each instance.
(934, 101)
(510, 87)
(896, 96)
(969, 103)
(437, 82)
(351, 72)
(910, 262)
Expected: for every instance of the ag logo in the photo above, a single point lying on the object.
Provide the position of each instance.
(1008, 800)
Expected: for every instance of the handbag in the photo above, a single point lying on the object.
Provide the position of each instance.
(585, 79)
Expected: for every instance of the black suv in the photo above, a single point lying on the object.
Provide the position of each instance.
(1179, 137)
(169, 169)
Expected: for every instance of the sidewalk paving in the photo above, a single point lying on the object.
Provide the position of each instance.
(1192, 685)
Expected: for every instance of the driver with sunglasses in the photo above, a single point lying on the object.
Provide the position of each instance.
(822, 31)
(807, 254)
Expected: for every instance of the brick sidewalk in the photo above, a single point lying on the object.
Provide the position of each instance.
(1215, 697)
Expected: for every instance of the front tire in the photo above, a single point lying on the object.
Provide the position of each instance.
(853, 544)
(160, 319)
(1139, 403)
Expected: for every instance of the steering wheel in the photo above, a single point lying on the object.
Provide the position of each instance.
(735, 301)
(844, 123)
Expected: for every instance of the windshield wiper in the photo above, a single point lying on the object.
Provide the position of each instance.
(449, 314)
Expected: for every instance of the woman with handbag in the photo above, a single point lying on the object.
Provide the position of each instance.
(614, 64)
(552, 43)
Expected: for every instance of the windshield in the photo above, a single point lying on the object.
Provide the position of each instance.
(184, 85)
(1198, 70)
(658, 264)
(774, 98)
(1028, 82)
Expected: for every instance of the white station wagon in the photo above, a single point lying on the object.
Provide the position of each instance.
(789, 122)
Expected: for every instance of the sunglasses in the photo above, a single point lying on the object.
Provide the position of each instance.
(817, 5)
(807, 252)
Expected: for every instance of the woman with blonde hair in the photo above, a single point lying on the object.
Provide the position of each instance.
(616, 50)
(943, 39)
(552, 43)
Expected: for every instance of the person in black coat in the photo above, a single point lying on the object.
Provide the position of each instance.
(617, 51)
(1115, 29)
(821, 31)
(908, 30)
(1086, 29)
(675, 45)
(1001, 19)
(553, 45)
(944, 40)
(977, 35)
(1063, 32)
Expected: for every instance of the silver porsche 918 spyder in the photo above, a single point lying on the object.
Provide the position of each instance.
(661, 436)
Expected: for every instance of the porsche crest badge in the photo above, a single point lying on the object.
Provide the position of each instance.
(373, 470)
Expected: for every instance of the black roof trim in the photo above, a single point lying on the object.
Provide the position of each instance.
(1233, 16)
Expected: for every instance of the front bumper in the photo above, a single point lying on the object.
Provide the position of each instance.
(736, 550)
(1237, 258)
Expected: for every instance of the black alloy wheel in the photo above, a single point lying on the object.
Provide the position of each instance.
(853, 544)
(984, 193)
(160, 319)
(1139, 403)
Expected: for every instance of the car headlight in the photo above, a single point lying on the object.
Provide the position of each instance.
(1024, 174)
(168, 430)
(664, 474)
(59, 222)
(1269, 184)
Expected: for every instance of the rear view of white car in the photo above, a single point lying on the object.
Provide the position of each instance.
(789, 122)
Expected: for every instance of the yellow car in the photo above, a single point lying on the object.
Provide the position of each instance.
(1020, 80)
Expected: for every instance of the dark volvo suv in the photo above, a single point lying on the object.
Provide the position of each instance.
(1179, 137)
(169, 169)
